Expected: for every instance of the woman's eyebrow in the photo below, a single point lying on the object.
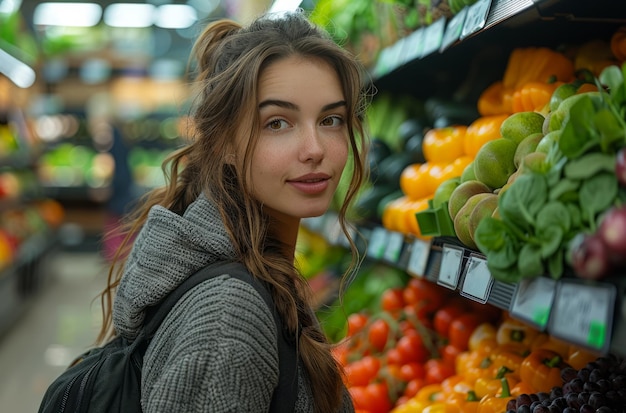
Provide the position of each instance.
(289, 105)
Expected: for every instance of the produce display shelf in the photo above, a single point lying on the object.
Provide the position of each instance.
(473, 45)
(581, 312)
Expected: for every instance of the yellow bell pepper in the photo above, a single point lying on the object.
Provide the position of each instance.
(441, 407)
(483, 336)
(444, 145)
(514, 332)
(465, 403)
(496, 404)
(490, 386)
(481, 131)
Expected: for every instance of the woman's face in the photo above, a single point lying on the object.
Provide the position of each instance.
(303, 142)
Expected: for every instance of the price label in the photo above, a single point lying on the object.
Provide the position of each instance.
(395, 242)
(476, 17)
(454, 29)
(583, 313)
(451, 261)
(477, 281)
(433, 35)
(420, 251)
(414, 44)
(533, 300)
(377, 243)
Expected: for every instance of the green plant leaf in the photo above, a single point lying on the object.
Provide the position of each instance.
(589, 164)
(597, 194)
(579, 133)
(555, 264)
(562, 187)
(529, 262)
(551, 238)
(554, 213)
(523, 200)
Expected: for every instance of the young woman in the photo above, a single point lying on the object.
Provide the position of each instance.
(277, 116)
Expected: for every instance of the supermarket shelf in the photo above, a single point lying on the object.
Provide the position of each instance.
(25, 278)
(589, 314)
(461, 56)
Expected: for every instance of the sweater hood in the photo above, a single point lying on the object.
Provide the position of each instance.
(167, 250)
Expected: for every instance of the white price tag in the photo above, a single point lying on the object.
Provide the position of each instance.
(583, 313)
(395, 242)
(420, 251)
(478, 281)
(451, 261)
(533, 300)
(433, 36)
(414, 44)
(476, 17)
(377, 243)
(454, 29)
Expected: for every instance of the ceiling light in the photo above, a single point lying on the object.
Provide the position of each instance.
(20, 73)
(129, 15)
(67, 14)
(9, 6)
(175, 16)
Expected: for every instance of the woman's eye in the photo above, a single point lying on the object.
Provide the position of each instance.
(332, 121)
(277, 124)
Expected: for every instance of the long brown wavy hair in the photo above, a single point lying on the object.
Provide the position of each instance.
(228, 61)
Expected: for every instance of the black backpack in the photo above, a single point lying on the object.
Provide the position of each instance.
(108, 378)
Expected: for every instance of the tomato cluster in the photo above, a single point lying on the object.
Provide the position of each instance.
(411, 343)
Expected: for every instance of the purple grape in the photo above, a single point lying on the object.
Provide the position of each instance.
(583, 374)
(604, 385)
(541, 409)
(568, 373)
(619, 382)
(585, 408)
(573, 401)
(543, 396)
(523, 400)
(604, 409)
(583, 397)
(559, 402)
(591, 386)
(595, 375)
(510, 411)
(523, 409)
(576, 385)
(534, 405)
(511, 405)
(556, 392)
(597, 400)
(570, 410)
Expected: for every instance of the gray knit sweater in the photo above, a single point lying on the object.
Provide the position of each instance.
(217, 349)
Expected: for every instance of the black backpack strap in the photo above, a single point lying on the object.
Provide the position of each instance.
(284, 397)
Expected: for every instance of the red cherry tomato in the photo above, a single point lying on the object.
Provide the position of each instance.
(412, 370)
(412, 349)
(378, 334)
(437, 370)
(392, 300)
(356, 322)
(444, 317)
(461, 329)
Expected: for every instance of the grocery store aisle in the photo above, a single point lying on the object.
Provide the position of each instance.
(58, 324)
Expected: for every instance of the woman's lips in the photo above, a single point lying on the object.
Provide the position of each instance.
(311, 184)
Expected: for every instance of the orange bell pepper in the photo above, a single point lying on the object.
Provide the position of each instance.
(533, 96)
(541, 369)
(521, 388)
(618, 44)
(508, 357)
(544, 340)
(578, 357)
(496, 404)
(495, 100)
